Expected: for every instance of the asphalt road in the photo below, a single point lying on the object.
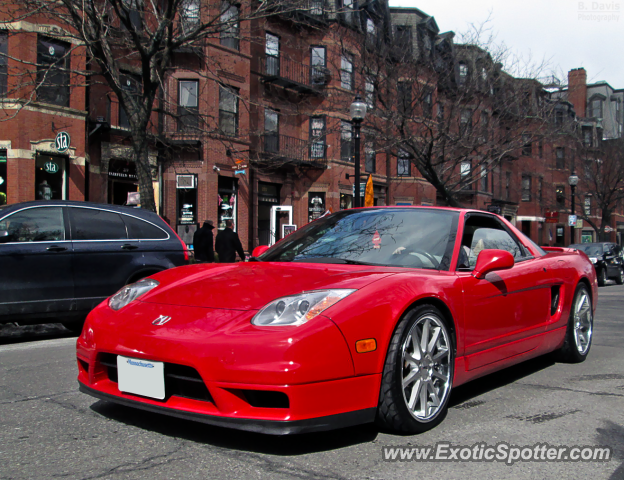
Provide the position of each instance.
(50, 430)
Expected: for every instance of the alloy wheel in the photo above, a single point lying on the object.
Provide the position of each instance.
(583, 322)
(426, 360)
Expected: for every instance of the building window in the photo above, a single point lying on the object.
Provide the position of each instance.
(369, 90)
(427, 104)
(271, 131)
(587, 137)
(462, 73)
(526, 188)
(316, 205)
(346, 201)
(186, 189)
(483, 180)
(527, 145)
(405, 98)
(3, 177)
(272, 50)
(507, 185)
(403, 164)
(485, 122)
(371, 30)
(540, 190)
(188, 107)
(318, 62)
(230, 25)
(346, 141)
(132, 85)
(346, 71)
(560, 157)
(228, 111)
(317, 137)
(466, 121)
(347, 7)
(465, 173)
(558, 117)
(440, 115)
(134, 8)
(560, 196)
(403, 38)
(540, 148)
(4, 73)
(595, 108)
(189, 14)
(587, 209)
(371, 157)
(50, 177)
(53, 72)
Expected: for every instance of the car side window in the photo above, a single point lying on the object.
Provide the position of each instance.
(142, 230)
(94, 224)
(44, 224)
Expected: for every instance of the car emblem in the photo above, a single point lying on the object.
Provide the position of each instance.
(161, 320)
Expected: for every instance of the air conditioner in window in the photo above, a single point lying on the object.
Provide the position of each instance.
(185, 181)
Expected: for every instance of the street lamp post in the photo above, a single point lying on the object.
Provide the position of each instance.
(358, 112)
(573, 182)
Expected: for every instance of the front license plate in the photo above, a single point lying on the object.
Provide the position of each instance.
(141, 377)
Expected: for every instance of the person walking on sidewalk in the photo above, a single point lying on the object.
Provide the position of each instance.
(228, 244)
(202, 242)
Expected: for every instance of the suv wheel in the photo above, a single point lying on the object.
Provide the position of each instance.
(619, 279)
(602, 277)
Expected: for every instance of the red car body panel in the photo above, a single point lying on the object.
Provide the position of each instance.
(316, 365)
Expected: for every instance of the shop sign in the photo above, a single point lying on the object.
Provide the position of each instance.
(551, 217)
(579, 223)
(62, 141)
(238, 167)
(51, 167)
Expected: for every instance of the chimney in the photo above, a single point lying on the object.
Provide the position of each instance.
(577, 90)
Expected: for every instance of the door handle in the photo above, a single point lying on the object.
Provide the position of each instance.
(56, 248)
(127, 246)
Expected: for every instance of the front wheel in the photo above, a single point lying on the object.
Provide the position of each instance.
(619, 279)
(602, 277)
(418, 373)
(580, 329)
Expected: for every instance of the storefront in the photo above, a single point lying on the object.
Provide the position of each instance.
(186, 207)
(50, 177)
(268, 196)
(122, 180)
(3, 177)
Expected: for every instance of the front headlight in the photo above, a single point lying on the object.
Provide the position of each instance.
(131, 292)
(593, 259)
(298, 309)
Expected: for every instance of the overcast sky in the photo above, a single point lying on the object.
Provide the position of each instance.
(567, 33)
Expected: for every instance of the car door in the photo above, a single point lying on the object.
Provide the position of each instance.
(35, 263)
(611, 260)
(507, 309)
(104, 257)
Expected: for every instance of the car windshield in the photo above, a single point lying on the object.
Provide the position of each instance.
(591, 249)
(401, 237)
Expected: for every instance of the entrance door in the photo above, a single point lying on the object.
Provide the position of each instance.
(278, 214)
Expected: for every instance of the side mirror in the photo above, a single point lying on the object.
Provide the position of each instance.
(259, 250)
(4, 236)
(491, 260)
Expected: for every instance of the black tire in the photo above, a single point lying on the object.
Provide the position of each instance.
(434, 370)
(74, 327)
(620, 276)
(580, 325)
(602, 277)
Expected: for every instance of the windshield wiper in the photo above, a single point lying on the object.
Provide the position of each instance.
(334, 260)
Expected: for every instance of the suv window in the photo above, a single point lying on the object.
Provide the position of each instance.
(35, 225)
(142, 230)
(93, 224)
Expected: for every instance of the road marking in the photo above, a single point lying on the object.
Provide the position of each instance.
(59, 342)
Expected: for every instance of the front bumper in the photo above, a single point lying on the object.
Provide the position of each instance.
(308, 369)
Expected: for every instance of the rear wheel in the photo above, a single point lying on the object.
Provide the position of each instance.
(418, 373)
(580, 328)
(602, 277)
(619, 279)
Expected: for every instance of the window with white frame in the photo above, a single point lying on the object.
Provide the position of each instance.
(404, 164)
(188, 106)
(228, 110)
(346, 71)
(229, 25)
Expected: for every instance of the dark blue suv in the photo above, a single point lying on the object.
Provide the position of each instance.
(59, 259)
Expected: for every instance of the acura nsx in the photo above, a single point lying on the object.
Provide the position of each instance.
(364, 315)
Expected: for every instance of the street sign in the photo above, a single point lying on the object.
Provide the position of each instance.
(239, 172)
(362, 190)
(50, 167)
(608, 228)
(579, 223)
(571, 220)
(62, 141)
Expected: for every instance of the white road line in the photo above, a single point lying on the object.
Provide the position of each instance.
(59, 342)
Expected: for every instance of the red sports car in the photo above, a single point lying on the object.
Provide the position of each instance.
(364, 315)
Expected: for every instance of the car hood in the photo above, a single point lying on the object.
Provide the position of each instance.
(250, 286)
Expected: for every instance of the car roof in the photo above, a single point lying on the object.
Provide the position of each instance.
(139, 212)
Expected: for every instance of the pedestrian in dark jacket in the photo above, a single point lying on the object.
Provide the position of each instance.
(228, 244)
(202, 243)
